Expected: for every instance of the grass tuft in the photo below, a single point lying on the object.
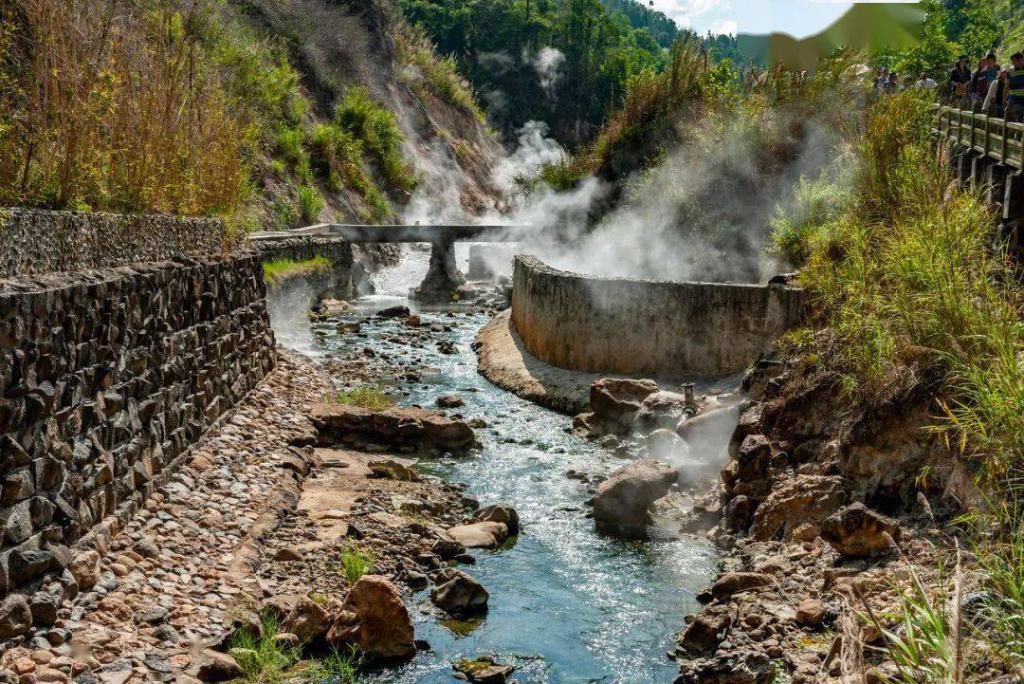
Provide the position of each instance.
(282, 269)
(356, 561)
(370, 397)
(263, 659)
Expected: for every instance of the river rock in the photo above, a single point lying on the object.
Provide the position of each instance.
(803, 499)
(374, 619)
(483, 670)
(458, 593)
(734, 582)
(330, 307)
(622, 501)
(480, 535)
(857, 531)
(393, 470)
(706, 630)
(216, 667)
(396, 427)
(661, 410)
(810, 612)
(615, 401)
(733, 667)
(15, 616)
(449, 401)
(502, 514)
(394, 312)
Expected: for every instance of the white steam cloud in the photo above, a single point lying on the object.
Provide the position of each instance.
(548, 62)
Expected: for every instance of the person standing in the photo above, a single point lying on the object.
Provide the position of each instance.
(926, 82)
(995, 101)
(979, 84)
(958, 79)
(1015, 89)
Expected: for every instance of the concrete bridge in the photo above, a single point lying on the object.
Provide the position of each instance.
(987, 156)
(443, 277)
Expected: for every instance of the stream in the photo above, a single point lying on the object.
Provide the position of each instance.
(566, 605)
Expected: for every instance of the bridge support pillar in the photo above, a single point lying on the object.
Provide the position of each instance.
(1012, 214)
(980, 165)
(443, 278)
(963, 161)
(995, 184)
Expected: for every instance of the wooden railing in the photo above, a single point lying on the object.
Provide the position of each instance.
(988, 135)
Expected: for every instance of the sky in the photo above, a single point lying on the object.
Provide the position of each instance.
(799, 18)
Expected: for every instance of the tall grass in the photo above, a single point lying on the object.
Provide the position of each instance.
(356, 561)
(115, 105)
(428, 73)
(377, 127)
(263, 659)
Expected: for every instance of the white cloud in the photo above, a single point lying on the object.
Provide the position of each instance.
(724, 26)
(687, 12)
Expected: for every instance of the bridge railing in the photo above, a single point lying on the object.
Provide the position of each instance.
(988, 135)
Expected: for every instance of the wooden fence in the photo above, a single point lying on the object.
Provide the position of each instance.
(988, 135)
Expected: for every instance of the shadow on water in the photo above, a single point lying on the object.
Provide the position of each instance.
(566, 605)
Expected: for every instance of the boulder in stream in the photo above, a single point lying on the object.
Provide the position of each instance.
(458, 593)
(622, 501)
(480, 535)
(374, 618)
(502, 514)
(614, 402)
(392, 427)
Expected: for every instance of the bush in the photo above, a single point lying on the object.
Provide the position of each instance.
(814, 205)
(274, 271)
(263, 658)
(310, 203)
(377, 127)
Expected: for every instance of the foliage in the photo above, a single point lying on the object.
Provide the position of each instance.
(365, 396)
(377, 127)
(310, 203)
(427, 73)
(815, 203)
(356, 561)
(1002, 562)
(281, 269)
(116, 105)
(268, 658)
(337, 667)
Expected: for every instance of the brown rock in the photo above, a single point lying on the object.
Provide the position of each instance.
(502, 514)
(374, 619)
(289, 554)
(802, 499)
(397, 426)
(622, 501)
(307, 620)
(15, 616)
(705, 632)
(810, 612)
(615, 401)
(480, 535)
(857, 531)
(458, 593)
(216, 667)
(734, 582)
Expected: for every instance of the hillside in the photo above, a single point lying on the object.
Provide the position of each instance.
(272, 114)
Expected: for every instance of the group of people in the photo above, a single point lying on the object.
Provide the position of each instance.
(989, 89)
(889, 81)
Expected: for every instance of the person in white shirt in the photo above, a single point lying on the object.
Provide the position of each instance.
(925, 81)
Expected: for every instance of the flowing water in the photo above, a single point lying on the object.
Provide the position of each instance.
(566, 605)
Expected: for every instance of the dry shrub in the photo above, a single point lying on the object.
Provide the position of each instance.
(114, 105)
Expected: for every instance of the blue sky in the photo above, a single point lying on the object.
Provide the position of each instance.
(797, 17)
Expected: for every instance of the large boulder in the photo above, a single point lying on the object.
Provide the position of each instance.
(622, 501)
(374, 619)
(86, 569)
(458, 593)
(615, 401)
(803, 499)
(480, 535)
(857, 531)
(661, 410)
(396, 427)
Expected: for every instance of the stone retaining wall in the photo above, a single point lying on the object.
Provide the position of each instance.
(665, 329)
(336, 283)
(34, 241)
(106, 378)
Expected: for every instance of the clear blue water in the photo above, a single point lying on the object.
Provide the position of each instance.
(566, 605)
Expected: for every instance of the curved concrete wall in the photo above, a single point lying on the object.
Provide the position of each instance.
(669, 329)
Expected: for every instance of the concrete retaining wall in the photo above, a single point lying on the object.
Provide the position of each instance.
(107, 377)
(667, 329)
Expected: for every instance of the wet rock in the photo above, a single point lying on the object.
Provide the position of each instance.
(394, 312)
(502, 514)
(447, 549)
(735, 582)
(374, 618)
(15, 616)
(86, 569)
(396, 427)
(307, 620)
(458, 593)
(331, 307)
(622, 501)
(350, 328)
(615, 401)
(802, 499)
(739, 513)
(449, 401)
(483, 670)
(216, 667)
(857, 531)
(733, 667)
(480, 535)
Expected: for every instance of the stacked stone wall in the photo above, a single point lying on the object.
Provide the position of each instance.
(107, 377)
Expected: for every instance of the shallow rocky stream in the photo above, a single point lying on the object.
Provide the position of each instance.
(566, 605)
